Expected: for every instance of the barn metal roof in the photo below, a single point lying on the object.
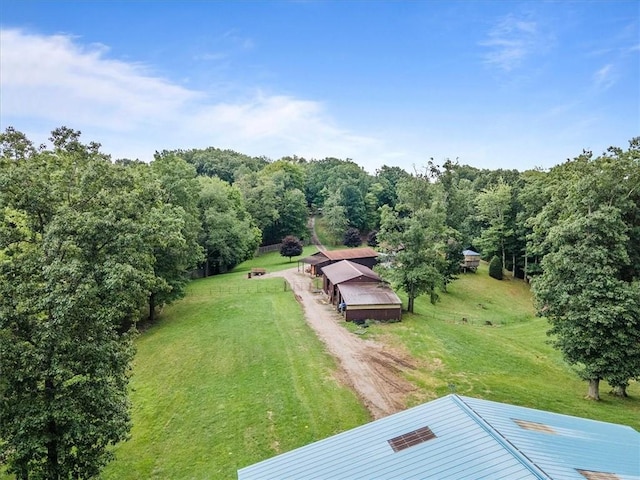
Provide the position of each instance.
(350, 253)
(346, 270)
(470, 253)
(466, 438)
(313, 259)
(368, 294)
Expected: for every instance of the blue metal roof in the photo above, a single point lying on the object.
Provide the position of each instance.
(474, 439)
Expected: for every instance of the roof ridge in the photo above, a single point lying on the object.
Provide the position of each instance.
(501, 439)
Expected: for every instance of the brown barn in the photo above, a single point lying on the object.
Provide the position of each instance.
(342, 272)
(375, 301)
(364, 256)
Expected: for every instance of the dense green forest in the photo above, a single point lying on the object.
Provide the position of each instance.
(90, 246)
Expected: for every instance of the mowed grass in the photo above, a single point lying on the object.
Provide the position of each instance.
(232, 375)
(508, 360)
(229, 376)
(329, 241)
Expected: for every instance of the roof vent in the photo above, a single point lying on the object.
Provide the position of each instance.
(410, 439)
(589, 475)
(536, 427)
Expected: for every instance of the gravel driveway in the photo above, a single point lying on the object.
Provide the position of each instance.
(368, 367)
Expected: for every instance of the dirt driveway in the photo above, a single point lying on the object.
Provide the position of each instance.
(368, 367)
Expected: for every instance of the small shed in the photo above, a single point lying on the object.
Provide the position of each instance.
(369, 301)
(471, 260)
(364, 256)
(342, 272)
(457, 437)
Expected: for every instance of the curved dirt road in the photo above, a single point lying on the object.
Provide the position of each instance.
(372, 370)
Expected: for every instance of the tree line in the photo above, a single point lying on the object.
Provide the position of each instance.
(90, 245)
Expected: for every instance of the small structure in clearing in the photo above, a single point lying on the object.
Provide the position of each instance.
(471, 260)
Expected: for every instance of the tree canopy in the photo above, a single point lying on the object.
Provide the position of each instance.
(74, 270)
(291, 247)
(589, 286)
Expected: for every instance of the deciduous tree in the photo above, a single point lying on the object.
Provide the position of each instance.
(291, 247)
(589, 286)
(414, 236)
(229, 235)
(352, 238)
(74, 271)
(494, 209)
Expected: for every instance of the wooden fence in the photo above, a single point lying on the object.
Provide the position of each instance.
(268, 248)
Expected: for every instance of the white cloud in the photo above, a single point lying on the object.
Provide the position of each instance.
(54, 80)
(510, 41)
(604, 77)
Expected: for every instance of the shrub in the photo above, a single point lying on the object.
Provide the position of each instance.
(495, 268)
(352, 238)
(372, 238)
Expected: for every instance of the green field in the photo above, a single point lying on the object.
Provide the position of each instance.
(508, 361)
(231, 374)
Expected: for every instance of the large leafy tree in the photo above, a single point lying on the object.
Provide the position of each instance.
(229, 235)
(74, 270)
(414, 237)
(275, 201)
(589, 286)
(335, 217)
(173, 195)
(494, 206)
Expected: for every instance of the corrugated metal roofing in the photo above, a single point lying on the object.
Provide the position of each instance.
(470, 253)
(345, 270)
(313, 259)
(368, 294)
(350, 253)
(577, 443)
(473, 439)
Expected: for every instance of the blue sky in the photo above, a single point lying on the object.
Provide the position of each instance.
(499, 84)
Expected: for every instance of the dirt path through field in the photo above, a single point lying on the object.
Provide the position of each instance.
(370, 368)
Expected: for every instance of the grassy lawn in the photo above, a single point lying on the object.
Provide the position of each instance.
(229, 376)
(508, 361)
(328, 240)
(232, 375)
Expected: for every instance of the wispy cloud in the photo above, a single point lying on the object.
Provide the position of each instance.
(604, 77)
(54, 80)
(510, 41)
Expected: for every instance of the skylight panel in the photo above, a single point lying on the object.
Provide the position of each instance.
(410, 439)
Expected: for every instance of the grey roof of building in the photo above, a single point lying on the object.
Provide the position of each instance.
(466, 438)
(346, 270)
(368, 294)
